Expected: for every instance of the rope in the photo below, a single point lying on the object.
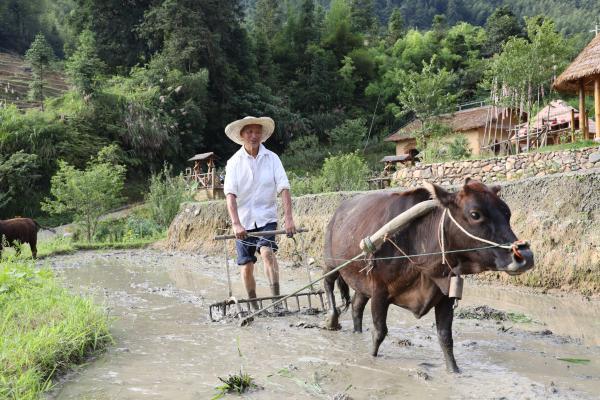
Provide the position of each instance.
(494, 244)
(435, 253)
(386, 238)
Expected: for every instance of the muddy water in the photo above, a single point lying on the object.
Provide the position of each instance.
(165, 348)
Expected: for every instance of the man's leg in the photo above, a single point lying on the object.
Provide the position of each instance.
(247, 271)
(271, 268)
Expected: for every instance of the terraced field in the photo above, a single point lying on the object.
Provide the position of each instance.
(15, 76)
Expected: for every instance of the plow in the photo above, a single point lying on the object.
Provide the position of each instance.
(307, 301)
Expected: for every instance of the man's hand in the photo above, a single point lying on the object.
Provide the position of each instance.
(290, 227)
(239, 231)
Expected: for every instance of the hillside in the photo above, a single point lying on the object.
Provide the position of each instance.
(15, 76)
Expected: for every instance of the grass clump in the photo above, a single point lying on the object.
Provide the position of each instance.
(43, 329)
(237, 383)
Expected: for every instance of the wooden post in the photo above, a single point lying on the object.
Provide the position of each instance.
(597, 105)
(572, 125)
(582, 116)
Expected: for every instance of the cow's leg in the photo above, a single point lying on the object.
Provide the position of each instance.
(379, 309)
(33, 247)
(443, 321)
(359, 301)
(332, 321)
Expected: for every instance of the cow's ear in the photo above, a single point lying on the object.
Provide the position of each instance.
(495, 189)
(437, 192)
(467, 180)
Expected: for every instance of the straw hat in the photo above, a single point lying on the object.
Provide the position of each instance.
(233, 129)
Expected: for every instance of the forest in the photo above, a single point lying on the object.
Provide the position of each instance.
(160, 79)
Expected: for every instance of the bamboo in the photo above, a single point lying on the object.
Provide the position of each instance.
(582, 116)
(263, 233)
(572, 125)
(597, 105)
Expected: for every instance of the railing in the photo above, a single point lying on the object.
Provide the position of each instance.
(473, 104)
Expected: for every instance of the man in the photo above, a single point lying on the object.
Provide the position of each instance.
(253, 178)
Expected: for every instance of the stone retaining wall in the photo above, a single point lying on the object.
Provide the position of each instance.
(501, 168)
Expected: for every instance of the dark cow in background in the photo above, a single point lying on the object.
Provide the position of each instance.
(420, 283)
(19, 230)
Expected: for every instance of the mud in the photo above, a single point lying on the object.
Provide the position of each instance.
(165, 347)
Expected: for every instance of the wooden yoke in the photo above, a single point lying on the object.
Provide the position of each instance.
(372, 243)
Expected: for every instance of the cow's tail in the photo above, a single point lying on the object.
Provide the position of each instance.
(38, 226)
(344, 291)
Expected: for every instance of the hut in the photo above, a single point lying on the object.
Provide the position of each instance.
(555, 122)
(582, 77)
(204, 175)
(478, 124)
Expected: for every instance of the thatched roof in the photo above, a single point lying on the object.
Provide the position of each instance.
(400, 158)
(460, 121)
(203, 156)
(585, 66)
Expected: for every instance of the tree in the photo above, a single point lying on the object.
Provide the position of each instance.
(87, 194)
(115, 27)
(362, 15)
(395, 26)
(426, 93)
(40, 55)
(500, 26)
(84, 67)
(17, 182)
(349, 136)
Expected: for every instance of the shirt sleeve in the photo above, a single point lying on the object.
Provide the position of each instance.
(230, 185)
(281, 179)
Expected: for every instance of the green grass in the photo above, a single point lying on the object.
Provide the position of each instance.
(59, 246)
(566, 146)
(575, 360)
(237, 383)
(44, 330)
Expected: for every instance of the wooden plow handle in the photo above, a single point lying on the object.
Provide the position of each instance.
(263, 233)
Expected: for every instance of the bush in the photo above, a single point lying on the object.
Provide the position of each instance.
(87, 194)
(349, 136)
(304, 154)
(345, 172)
(341, 172)
(166, 193)
(307, 184)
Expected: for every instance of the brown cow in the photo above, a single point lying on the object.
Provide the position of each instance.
(420, 283)
(19, 230)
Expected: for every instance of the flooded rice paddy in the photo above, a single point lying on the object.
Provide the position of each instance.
(166, 348)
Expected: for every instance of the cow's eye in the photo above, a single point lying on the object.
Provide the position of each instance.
(475, 215)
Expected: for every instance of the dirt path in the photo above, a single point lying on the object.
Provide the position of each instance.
(165, 348)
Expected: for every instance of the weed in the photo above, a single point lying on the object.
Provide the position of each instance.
(237, 383)
(575, 360)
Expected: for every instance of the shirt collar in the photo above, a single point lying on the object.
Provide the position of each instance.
(262, 151)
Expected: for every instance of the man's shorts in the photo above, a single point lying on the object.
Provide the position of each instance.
(246, 248)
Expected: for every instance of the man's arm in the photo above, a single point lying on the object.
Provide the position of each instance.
(238, 229)
(286, 198)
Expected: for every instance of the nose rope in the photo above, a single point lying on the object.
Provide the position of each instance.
(503, 246)
(513, 247)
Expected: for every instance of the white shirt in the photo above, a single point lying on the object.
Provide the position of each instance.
(255, 182)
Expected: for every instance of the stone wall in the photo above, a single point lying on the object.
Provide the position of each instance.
(501, 168)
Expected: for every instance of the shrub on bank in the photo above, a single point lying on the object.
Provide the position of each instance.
(43, 331)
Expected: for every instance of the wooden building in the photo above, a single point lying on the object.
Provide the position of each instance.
(479, 125)
(204, 175)
(582, 77)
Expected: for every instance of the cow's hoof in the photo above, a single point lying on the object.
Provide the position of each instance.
(332, 324)
(452, 369)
